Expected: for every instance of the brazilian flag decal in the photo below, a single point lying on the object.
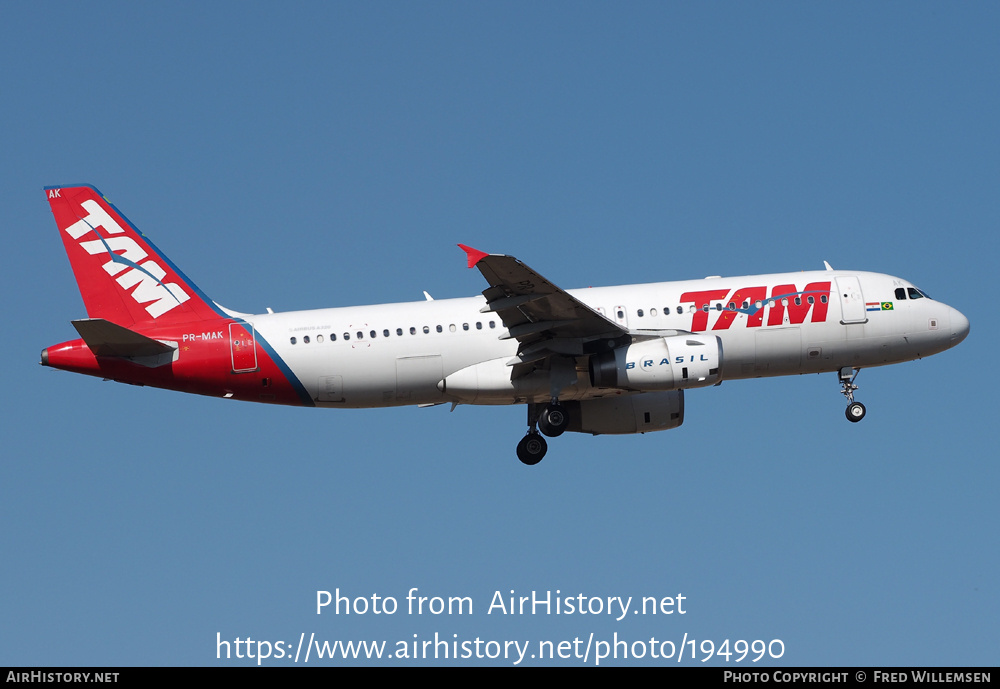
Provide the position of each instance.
(887, 306)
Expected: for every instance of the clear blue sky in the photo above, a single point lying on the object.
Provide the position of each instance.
(328, 154)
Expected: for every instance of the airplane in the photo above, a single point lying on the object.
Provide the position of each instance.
(606, 360)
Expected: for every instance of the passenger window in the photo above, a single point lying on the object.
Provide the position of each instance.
(493, 324)
(680, 309)
(452, 327)
(333, 337)
(810, 300)
(319, 339)
(465, 326)
(440, 329)
(479, 325)
(732, 306)
(427, 329)
(373, 334)
(361, 335)
(823, 299)
(798, 301)
(413, 331)
(385, 333)
(305, 340)
(347, 336)
(639, 313)
(293, 340)
(399, 331)
(652, 313)
(900, 293)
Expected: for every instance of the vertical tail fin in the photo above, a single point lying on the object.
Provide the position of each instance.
(122, 276)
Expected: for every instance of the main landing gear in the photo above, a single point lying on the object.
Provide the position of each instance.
(532, 448)
(855, 410)
(552, 420)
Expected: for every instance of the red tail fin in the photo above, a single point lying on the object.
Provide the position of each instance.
(122, 277)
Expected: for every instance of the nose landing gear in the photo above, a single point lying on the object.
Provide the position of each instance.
(855, 410)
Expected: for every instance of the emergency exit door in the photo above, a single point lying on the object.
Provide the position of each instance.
(243, 347)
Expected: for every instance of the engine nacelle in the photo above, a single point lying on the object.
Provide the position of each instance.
(489, 382)
(667, 363)
(641, 413)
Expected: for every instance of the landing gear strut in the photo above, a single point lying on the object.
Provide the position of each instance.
(855, 410)
(552, 420)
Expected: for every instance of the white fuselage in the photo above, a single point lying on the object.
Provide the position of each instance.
(398, 354)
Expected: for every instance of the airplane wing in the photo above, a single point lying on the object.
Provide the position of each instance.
(543, 318)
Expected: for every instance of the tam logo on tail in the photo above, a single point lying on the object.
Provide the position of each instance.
(128, 281)
(146, 278)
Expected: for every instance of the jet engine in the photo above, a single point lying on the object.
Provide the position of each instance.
(667, 363)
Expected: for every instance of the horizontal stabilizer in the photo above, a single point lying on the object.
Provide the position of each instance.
(107, 339)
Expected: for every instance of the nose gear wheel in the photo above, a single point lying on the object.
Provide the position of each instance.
(855, 410)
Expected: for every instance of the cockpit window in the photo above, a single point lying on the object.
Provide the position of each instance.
(915, 293)
(900, 293)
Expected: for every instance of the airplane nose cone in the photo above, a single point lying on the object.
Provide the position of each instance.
(959, 327)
